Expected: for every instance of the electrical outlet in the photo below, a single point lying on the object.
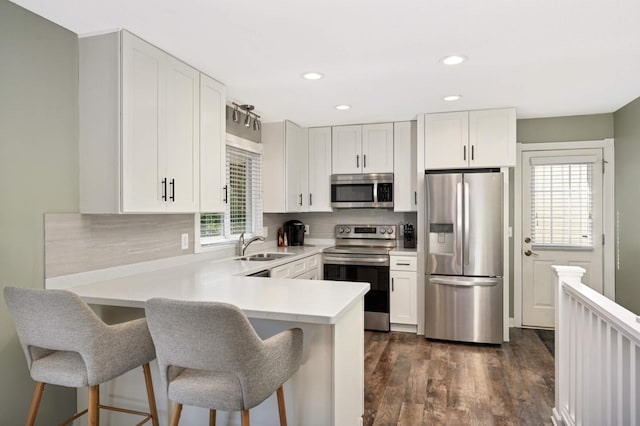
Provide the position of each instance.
(184, 241)
(306, 230)
(265, 231)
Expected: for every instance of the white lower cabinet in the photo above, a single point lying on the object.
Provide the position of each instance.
(404, 288)
(307, 268)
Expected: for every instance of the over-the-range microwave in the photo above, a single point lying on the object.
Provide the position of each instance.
(373, 190)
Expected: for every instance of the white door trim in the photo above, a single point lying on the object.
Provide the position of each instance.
(608, 215)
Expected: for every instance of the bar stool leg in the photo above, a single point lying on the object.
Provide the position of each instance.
(176, 415)
(94, 402)
(150, 395)
(281, 408)
(35, 403)
(245, 418)
(212, 417)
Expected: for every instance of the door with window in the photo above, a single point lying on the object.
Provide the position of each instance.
(561, 225)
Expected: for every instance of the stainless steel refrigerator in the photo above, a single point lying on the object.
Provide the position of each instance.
(464, 298)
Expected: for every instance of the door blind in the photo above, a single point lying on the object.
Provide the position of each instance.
(562, 205)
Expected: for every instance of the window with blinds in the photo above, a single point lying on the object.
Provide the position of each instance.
(243, 211)
(562, 205)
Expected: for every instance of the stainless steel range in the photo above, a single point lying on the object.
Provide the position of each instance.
(361, 254)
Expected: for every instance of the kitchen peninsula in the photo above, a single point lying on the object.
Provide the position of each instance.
(329, 387)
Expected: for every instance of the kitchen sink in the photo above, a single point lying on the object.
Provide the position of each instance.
(265, 256)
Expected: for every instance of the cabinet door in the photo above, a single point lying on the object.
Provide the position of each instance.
(143, 94)
(296, 180)
(403, 306)
(405, 195)
(446, 139)
(346, 149)
(182, 137)
(377, 148)
(320, 169)
(212, 145)
(492, 137)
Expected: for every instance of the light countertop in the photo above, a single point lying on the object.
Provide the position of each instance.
(311, 301)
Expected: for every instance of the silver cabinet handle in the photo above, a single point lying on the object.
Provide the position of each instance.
(464, 153)
(173, 190)
(415, 197)
(358, 161)
(392, 286)
(364, 161)
(402, 264)
(300, 199)
(310, 199)
(472, 152)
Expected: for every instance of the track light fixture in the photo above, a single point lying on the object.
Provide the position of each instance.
(248, 110)
(236, 113)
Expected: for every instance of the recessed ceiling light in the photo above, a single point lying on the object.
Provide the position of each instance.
(453, 59)
(343, 107)
(312, 75)
(452, 98)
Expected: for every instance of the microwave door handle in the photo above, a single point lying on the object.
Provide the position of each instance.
(375, 193)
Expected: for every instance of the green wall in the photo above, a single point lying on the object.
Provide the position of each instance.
(627, 146)
(565, 129)
(39, 174)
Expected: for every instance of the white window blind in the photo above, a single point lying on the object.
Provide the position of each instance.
(562, 205)
(243, 211)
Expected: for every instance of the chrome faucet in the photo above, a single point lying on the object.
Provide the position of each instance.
(242, 246)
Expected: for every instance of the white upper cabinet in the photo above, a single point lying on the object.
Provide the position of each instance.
(446, 140)
(484, 138)
(296, 170)
(377, 148)
(285, 172)
(346, 148)
(320, 169)
(492, 137)
(405, 195)
(182, 145)
(139, 128)
(212, 145)
(363, 148)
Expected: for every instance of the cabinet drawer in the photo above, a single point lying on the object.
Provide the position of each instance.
(404, 263)
(313, 262)
(298, 267)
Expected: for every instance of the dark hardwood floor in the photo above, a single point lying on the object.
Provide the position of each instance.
(412, 381)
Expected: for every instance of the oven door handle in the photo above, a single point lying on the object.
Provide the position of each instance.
(352, 260)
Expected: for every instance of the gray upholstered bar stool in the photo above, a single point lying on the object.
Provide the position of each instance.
(211, 357)
(66, 344)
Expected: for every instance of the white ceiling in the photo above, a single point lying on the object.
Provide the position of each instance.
(545, 57)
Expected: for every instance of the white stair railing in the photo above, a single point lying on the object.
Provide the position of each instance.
(597, 356)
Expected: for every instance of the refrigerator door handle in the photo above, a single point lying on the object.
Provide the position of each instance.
(465, 283)
(467, 214)
(459, 227)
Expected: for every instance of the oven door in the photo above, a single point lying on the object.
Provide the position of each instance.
(371, 269)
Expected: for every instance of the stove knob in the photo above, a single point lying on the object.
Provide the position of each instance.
(382, 230)
(390, 230)
(341, 230)
(348, 230)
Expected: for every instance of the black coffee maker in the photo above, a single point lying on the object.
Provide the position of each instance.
(295, 232)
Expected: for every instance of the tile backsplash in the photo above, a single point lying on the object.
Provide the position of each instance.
(79, 243)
